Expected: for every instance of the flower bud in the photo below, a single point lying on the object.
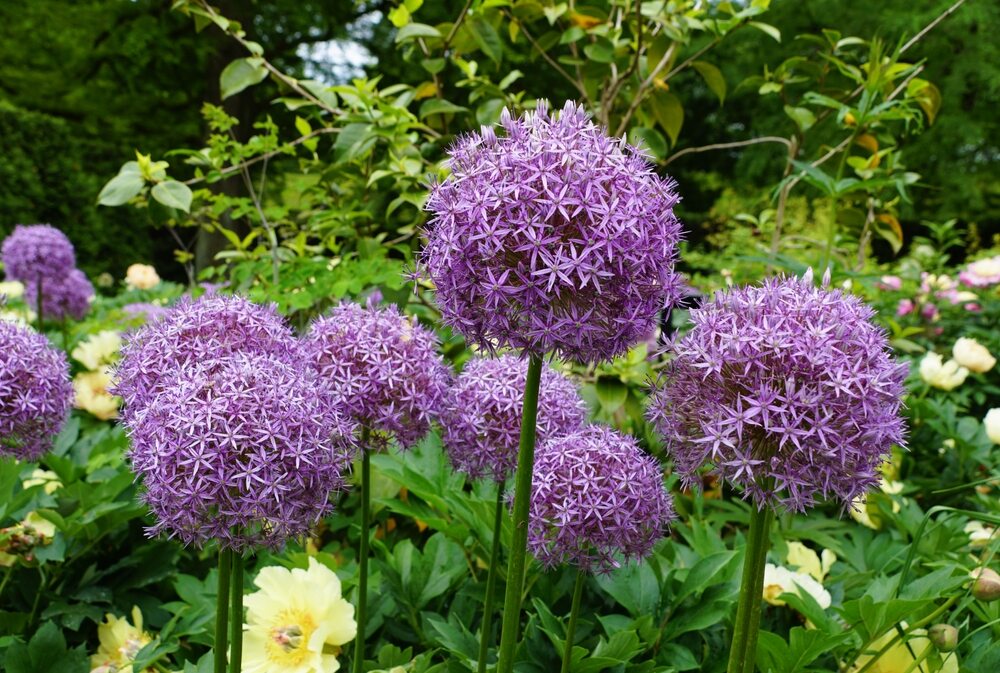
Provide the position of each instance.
(986, 586)
(944, 637)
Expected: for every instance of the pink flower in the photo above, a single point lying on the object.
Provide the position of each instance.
(929, 311)
(905, 307)
(890, 283)
(973, 307)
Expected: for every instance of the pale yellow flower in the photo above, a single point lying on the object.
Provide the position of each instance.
(91, 394)
(297, 621)
(972, 355)
(46, 478)
(806, 560)
(12, 289)
(979, 534)
(944, 375)
(992, 424)
(141, 277)
(780, 580)
(22, 317)
(40, 526)
(862, 512)
(119, 643)
(900, 657)
(98, 350)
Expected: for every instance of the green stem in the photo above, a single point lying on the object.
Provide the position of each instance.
(832, 233)
(38, 298)
(236, 613)
(932, 617)
(366, 480)
(222, 610)
(491, 584)
(742, 654)
(519, 537)
(571, 627)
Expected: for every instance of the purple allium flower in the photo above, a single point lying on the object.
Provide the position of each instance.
(37, 250)
(383, 367)
(787, 390)
(35, 392)
(596, 497)
(552, 237)
(244, 449)
(195, 331)
(481, 416)
(145, 310)
(65, 296)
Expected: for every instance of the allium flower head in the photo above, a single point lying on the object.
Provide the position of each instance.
(382, 366)
(198, 331)
(35, 392)
(66, 296)
(481, 416)
(37, 250)
(241, 449)
(787, 390)
(596, 497)
(552, 237)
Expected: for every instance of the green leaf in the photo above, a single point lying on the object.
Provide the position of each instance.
(486, 37)
(669, 113)
(634, 587)
(649, 139)
(705, 572)
(437, 106)
(713, 78)
(927, 95)
(803, 117)
(173, 194)
(611, 393)
(767, 29)
(601, 51)
(412, 31)
(120, 189)
(240, 74)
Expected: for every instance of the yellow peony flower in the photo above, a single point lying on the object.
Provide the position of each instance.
(806, 560)
(98, 350)
(980, 535)
(91, 394)
(992, 424)
(297, 621)
(40, 526)
(46, 478)
(780, 580)
(972, 355)
(900, 657)
(120, 642)
(141, 277)
(862, 512)
(12, 289)
(944, 375)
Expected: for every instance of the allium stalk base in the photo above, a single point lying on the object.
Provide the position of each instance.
(491, 584)
(236, 616)
(366, 481)
(222, 609)
(573, 614)
(743, 652)
(519, 536)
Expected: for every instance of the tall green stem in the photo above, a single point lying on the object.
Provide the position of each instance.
(571, 627)
(366, 480)
(742, 654)
(38, 302)
(236, 617)
(491, 584)
(222, 610)
(832, 232)
(519, 538)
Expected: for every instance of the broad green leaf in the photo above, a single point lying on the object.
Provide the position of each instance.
(767, 29)
(240, 74)
(173, 194)
(412, 31)
(927, 95)
(669, 113)
(803, 117)
(611, 393)
(437, 106)
(649, 139)
(704, 572)
(601, 51)
(120, 189)
(713, 78)
(486, 37)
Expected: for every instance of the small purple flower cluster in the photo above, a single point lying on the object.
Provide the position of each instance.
(40, 256)
(552, 238)
(787, 389)
(596, 498)
(481, 416)
(35, 392)
(382, 367)
(232, 434)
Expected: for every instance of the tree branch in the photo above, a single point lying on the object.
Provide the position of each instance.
(727, 146)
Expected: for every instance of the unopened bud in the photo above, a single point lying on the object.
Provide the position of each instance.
(944, 637)
(986, 586)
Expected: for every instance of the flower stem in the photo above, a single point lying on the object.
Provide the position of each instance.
(236, 617)
(743, 653)
(38, 318)
(491, 584)
(571, 627)
(222, 609)
(519, 538)
(366, 480)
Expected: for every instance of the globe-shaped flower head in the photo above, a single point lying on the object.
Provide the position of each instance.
(197, 331)
(787, 390)
(383, 367)
(65, 296)
(37, 250)
(481, 416)
(241, 449)
(35, 392)
(596, 498)
(552, 237)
